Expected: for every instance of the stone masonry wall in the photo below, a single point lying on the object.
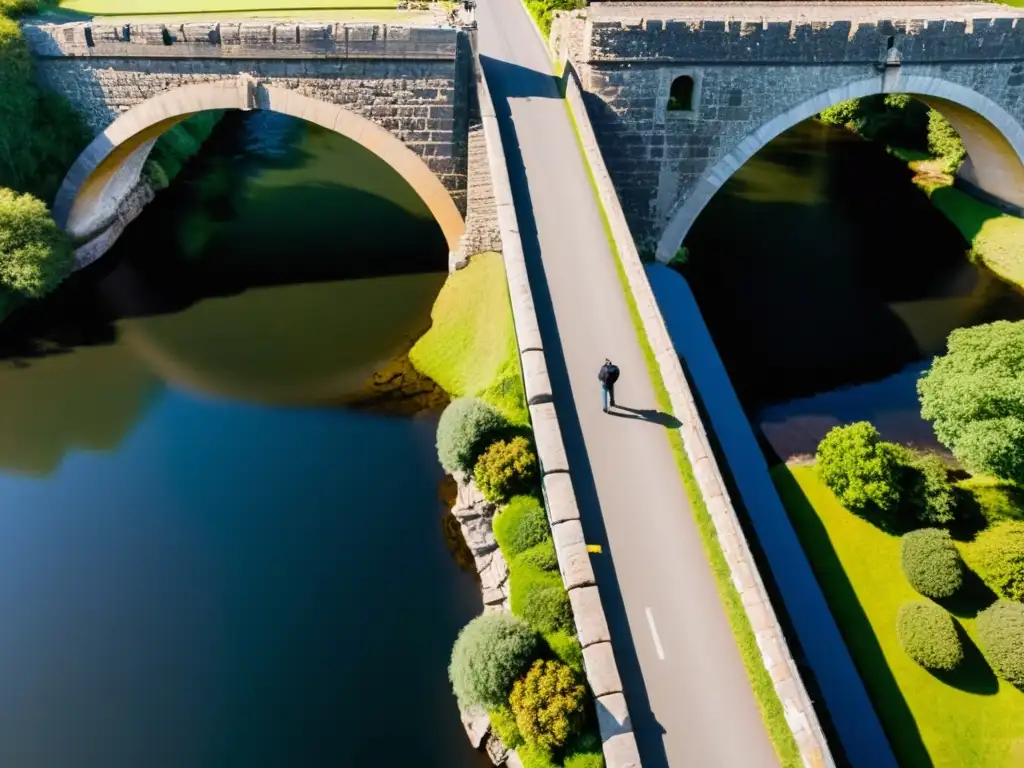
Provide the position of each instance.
(747, 73)
(411, 81)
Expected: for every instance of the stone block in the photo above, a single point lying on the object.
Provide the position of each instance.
(613, 715)
(201, 32)
(574, 562)
(591, 623)
(535, 377)
(621, 751)
(548, 437)
(602, 672)
(560, 497)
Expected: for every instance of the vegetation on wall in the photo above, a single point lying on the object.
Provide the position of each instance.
(40, 136)
(177, 145)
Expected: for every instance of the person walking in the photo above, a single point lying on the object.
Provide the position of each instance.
(608, 375)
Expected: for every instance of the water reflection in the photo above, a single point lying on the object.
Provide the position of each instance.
(204, 564)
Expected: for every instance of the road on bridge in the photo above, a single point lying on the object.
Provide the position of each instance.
(688, 693)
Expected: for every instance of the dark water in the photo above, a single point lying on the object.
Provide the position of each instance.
(819, 265)
(205, 563)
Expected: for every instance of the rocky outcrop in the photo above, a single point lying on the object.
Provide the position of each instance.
(475, 515)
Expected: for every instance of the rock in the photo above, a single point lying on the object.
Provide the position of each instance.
(495, 749)
(479, 536)
(469, 502)
(477, 725)
(494, 579)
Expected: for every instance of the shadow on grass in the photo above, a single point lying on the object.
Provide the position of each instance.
(971, 599)
(897, 719)
(973, 674)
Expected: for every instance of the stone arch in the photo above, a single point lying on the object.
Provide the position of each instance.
(994, 140)
(110, 167)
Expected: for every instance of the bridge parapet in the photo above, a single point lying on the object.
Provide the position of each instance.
(243, 39)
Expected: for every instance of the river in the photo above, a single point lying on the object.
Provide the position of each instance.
(819, 267)
(207, 559)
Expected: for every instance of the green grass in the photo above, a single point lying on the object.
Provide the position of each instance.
(996, 238)
(470, 349)
(253, 7)
(968, 718)
(760, 680)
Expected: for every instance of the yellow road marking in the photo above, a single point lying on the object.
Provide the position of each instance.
(594, 549)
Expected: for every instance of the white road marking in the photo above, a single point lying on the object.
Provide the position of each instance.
(654, 634)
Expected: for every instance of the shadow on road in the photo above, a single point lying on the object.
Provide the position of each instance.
(507, 81)
(666, 420)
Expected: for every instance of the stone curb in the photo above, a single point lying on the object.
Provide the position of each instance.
(775, 653)
(619, 743)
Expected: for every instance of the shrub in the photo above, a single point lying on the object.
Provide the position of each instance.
(567, 649)
(974, 397)
(860, 469)
(944, 142)
(548, 704)
(928, 635)
(35, 256)
(521, 525)
(585, 760)
(540, 599)
(541, 556)
(998, 557)
(536, 756)
(490, 653)
(503, 723)
(931, 562)
(1001, 631)
(16, 8)
(927, 492)
(506, 468)
(467, 426)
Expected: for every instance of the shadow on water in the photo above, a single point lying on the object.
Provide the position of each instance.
(896, 717)
(511, 81)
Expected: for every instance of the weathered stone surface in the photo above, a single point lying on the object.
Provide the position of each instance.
(513, 761)
(574, 563)
(548, 437)
(561, 499)
(495, 749)
(477, 725)
(613, 715)
(475, 516)
(591, 625)
(620, 751)
(602, 672)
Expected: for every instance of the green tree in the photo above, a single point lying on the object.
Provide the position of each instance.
(944, 142)
(548, 704)
(490, 654)
(35, 256)
(466, 428)
(861, 470)
(927, 493)
(974, 397)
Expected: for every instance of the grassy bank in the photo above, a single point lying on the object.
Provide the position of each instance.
(968, 718)
(253, 7)
(470, 349)
(760, 680)
(996, 238)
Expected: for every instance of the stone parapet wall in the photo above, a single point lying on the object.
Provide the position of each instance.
(754, 78)
(243, 39)
(482, 232)
(775, 653)
(619, 743)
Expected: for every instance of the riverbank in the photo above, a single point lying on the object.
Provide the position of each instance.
(971, 718)
(996, 238)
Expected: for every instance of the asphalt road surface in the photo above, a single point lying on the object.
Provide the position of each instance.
(689, 696)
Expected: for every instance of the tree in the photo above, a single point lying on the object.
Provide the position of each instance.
(490, 654)
(861, 470)
(944, 142)
(926, 491)
(974, 397)
(548, 704)
(35, 256)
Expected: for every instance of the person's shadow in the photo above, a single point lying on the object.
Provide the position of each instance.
(645, 414)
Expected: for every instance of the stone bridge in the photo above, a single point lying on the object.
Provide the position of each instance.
(401, 92)
(743, 73)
